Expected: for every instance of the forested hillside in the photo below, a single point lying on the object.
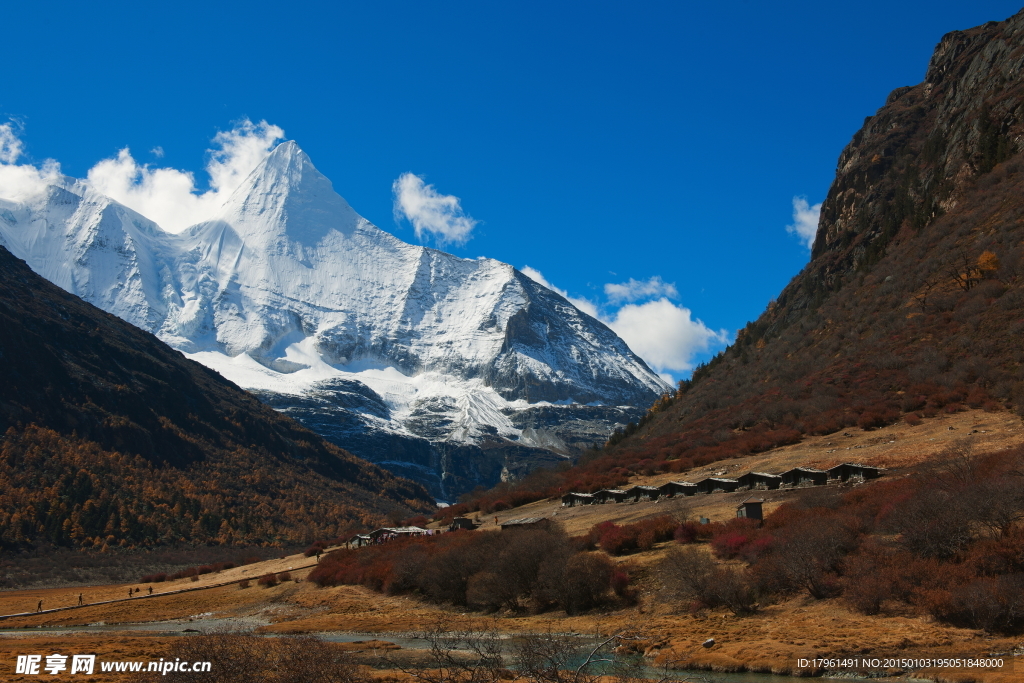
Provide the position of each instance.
(113, 438)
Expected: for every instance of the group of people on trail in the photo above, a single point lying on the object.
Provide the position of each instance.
(81, 597)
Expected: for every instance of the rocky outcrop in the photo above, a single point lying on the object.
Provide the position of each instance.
(912, 161)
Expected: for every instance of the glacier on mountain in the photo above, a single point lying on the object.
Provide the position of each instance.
(452, 371)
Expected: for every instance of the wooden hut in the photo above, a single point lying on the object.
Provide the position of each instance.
(359, 540)
(854, 472)
(389, 533)
(461, 523)
(639, 493)
(526, 523)
(750, 509)
(573, 499)
(678, 488)
(609, 496)
(760, 481)
(804, 476)
(717, 485)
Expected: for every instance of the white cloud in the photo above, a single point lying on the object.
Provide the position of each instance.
(431, 212)
(663, 334)
(634, 290)
(158, 152)
(169, 196)
(805, 221)
(10, 144)
(19, 182)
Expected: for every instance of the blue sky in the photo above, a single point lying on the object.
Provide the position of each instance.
(597, 143)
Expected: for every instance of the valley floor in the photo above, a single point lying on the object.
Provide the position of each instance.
(772, 641)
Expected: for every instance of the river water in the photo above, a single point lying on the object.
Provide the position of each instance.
(407, 641)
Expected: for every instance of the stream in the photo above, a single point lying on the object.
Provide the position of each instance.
(407, 641)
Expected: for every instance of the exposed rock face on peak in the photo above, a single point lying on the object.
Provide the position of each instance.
(288, 291)
(914, 159)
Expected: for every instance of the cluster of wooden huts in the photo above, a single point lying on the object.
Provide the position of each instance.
(751, 481)
(388, 533)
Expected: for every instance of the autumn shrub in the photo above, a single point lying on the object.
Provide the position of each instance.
(912, 419)
(267, 580)
(994, 604)
(913, 401)
(616, 540)
(184, 573)
(976, 397)
(807, 553)
(687, 532)
(619, 581)
(578, 583)
(418, 520)
(284, 576)
(244, 583)
(194, 578)
(514, 569)
(159, 577)
(878, 416)
(736, 538)
(243, 658)
(693, 577)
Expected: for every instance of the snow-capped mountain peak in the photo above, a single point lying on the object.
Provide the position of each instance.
(288, 290)
(286, 196)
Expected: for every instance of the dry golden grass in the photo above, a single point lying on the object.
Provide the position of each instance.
(109, 647)
(893, 447)
(770, 641)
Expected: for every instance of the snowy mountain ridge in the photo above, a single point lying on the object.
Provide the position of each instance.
(289, 292)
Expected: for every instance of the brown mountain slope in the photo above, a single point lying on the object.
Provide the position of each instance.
(913, 299)
(113, 437)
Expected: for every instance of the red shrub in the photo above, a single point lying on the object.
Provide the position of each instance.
(619, 582)
(731, 540)
(615, 540)
(686, 532)
(267, 580)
